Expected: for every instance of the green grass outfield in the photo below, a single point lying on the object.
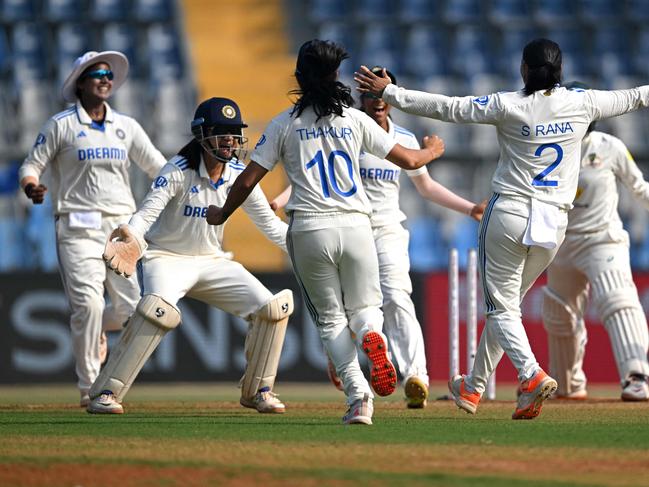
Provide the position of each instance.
(197, 434)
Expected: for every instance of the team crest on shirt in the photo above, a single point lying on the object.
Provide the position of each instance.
(120, 134)
(229, 111)
(592, 160)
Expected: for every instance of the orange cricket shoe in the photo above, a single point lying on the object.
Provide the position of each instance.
(383, 374)
(465, 400)
(532, 394)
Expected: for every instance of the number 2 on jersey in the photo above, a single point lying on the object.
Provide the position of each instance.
(538, 179)
(328, 173)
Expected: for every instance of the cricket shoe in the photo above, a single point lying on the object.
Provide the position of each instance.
(105, 403)
(532, 394)
(265, 401)
(416, 393)
(85, 400)
(103, 348)
(333, 376)
(636, 388)
(465, 400)
(382, 372)
(360, 411)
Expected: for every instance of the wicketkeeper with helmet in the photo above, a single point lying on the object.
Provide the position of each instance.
(181, 255)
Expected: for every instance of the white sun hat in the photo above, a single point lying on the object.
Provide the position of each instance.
(116, 60)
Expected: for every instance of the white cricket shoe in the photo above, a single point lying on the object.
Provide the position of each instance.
(105, 403)
(636, 388)
(265, 401)
(103, 348)
(85, 399)
(360, 411)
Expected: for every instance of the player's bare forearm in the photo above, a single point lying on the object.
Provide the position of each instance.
(281, 199)
(240, 190)
(433, 148)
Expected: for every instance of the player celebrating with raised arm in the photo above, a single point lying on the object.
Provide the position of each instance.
(89, 148)
(184, 257)
(539, 129)
(330, 237)
(380, 180)
(595, 253)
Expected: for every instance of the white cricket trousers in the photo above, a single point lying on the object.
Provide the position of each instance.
(216, 281)
(334, 260)
(85, 279)
(400, 323)
(508, 268)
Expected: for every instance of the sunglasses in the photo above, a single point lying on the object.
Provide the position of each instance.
(99, 74)
(370, 96)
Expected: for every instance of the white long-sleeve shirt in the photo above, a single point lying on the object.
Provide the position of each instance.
(321, 157)
(605, 160)
(540, 134)
(172, 215)
(380, 179)
(90, 162)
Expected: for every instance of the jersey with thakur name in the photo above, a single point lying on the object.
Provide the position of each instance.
(90, 162)
(172, 215)
(381, 179)
(605, 160)
(321, 157)
(539, 135)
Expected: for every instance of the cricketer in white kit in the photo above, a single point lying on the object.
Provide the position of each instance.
(89, 162)
(539, 130)
(595, 253)
(184, 257)
(330, 238)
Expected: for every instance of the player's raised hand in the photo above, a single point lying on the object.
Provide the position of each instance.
(478, 210)
(122, 251)
(215, 215)
(435, 145)
(368, 82)
(36, 193)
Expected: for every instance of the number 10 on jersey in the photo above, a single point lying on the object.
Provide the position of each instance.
(328, 173)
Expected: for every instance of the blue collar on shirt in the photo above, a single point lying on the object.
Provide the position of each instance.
(101, 126)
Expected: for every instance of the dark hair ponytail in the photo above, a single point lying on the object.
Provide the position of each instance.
(316, 74)
(543, 60)
(192, 151)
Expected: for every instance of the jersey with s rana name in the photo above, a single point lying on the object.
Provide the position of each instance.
(321, 157)
(539, 135)
(172, 215)
(605, 160)
(90, 161)
(380, 179)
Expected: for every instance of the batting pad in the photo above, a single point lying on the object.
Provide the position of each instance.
(264, 343)
(152, 319)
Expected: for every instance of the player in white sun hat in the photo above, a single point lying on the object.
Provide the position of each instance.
(595, 254)
(330, 239)
(184, 257)
(88, 148)
(380, 179)
(540, 129)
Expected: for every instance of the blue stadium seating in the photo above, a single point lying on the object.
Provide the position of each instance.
(63, 10)
(5, 52)
(510, 49)
(29, 59)
(418, 11)
(152, 10)
(425, 52)
(17, 10)
(379, 45)
(554, 13)
(637, 11)
(573, 47)
(72, 40)
(611, 52)
(165, 60)
(508, 12)
(327, 10)
(471, 52)
(374, 10)
(122, 37)
(641, 56)
(427, 249)
(463, 11)
(599, 12)
(109, 10)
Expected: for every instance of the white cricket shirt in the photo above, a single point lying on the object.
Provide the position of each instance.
(172, 215)
(540, 134)
(90, 162)
(604, 161)
(380, 179)
(321, 158)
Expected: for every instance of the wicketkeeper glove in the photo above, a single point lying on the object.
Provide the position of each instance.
(123, 250)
